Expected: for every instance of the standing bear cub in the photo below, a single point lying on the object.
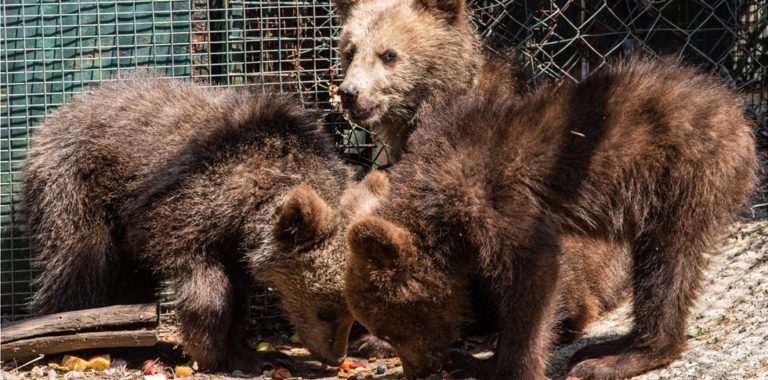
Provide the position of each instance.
(401, 55)
(651, 156)
(143, 180)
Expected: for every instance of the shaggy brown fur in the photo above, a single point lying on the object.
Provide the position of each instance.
(651, 156)
(198, 186)
(401, 55)
(592, 279)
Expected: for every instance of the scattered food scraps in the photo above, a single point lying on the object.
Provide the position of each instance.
(73, 363)
(99, 362)
(153, 367)
(265, 347)
(281, 374)
(346, 373)
(182, 371)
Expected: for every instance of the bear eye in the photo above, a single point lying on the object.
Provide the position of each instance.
(350, 54)
(389, 56)
(327, 315)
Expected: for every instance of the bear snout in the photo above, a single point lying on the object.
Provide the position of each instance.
(348, 95)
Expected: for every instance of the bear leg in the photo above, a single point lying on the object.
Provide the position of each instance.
(667, 273)
(526, 315)
(204, 310)
(240, 355)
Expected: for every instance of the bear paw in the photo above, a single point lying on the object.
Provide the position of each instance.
(618, 359)
(369, 346)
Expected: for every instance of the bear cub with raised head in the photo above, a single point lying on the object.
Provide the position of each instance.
(143, 180)
(649, 156)
(401, 55)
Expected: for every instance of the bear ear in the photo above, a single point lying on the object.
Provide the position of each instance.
(381, 242)
(303, 218)
(362, 197)
(377, 182)
(450, 10)
(343, 7)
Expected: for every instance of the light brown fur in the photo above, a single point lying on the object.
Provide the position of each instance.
(436, 54)
(648, 156)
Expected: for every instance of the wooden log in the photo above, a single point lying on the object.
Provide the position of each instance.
(66, 343)
(103, 318)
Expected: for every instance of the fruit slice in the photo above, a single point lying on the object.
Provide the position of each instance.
(99, 362)
(74, 363)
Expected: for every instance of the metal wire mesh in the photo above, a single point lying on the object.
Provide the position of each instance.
(569, 40)
(51, 49)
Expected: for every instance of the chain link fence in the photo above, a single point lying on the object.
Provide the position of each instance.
(569, 40)
(50, 50)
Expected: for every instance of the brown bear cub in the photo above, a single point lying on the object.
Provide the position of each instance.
(400, 55)
(144, 180)
(650, 157)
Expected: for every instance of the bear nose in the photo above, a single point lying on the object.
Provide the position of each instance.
(348, 96)
(333, 362)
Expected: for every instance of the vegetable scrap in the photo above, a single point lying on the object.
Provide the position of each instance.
(265, 347)
(281, 374)
(182, 371)
(99, 363)
(73, 363)
(153, 367)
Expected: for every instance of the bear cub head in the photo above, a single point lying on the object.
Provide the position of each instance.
(389, 278)
(308, 257)
(397, 55)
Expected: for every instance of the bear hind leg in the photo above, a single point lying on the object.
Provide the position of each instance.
(666, 274)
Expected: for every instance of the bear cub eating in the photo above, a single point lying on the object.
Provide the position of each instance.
(650, 157)
(146, 180)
